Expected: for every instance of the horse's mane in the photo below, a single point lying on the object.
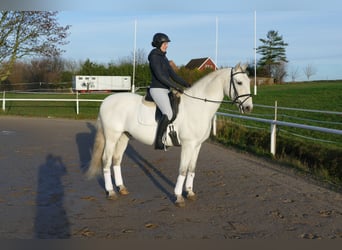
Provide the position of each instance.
(205, 80)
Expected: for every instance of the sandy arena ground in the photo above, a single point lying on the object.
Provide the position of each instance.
(44, 193)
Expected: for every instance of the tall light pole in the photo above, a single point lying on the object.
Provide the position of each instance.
(255, 85)
(134, 54)
(216, 42)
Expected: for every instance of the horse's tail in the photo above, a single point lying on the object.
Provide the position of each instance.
(96, 157)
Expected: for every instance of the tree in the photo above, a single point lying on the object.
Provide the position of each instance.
(28, 33)
(279, 72)
(273, 52)
(294, 74)
(309, 71)
(140, 58)
(47, 70)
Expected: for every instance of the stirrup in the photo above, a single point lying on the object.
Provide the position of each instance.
(173, 136)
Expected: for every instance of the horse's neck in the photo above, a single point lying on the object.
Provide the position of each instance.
(210, 90)
(211, 86)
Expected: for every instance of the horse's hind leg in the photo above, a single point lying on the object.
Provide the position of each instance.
(120, 148)
(108, 152)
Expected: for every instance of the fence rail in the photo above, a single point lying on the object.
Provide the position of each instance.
(273, 122)
(76, 100)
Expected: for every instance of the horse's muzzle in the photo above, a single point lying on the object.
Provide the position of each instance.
(247, 108)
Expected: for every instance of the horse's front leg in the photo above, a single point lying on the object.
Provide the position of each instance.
(187, 167)
(189, 186)
(191, 174)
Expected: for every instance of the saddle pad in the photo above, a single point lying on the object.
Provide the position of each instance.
(148, 103)
(146, 114)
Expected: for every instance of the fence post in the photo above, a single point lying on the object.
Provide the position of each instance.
(3, 101)
(274, 131)
(77, 104)
(214, 124)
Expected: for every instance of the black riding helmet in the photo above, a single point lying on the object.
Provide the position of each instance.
(159, 39)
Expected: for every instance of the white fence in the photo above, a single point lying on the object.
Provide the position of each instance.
(273, 123)
(76, 100)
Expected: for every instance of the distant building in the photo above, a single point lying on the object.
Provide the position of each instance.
(201, 64)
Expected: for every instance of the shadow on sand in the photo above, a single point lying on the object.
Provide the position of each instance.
(51, 220)
(151, 172)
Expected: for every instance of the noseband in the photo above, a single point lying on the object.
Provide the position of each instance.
(236, 97)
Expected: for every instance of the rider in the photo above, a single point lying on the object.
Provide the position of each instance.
(163, 78)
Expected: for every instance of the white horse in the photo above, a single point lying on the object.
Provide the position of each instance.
(123, 115)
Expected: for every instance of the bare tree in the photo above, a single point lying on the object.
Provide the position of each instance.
(294, 74)
(279, 72)
(140, 58)
(309, 71)
(72, 66)
(28, 33)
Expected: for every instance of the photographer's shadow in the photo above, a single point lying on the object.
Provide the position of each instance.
(51, 220)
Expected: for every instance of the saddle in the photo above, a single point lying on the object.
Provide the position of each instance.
(174, 101)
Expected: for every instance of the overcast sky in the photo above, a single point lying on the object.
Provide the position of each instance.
(103, 30)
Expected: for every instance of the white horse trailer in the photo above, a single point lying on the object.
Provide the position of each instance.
(85, 83)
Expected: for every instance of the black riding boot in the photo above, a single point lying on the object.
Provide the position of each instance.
(162, 125)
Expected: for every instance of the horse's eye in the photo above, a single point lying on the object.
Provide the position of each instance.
(240, 83)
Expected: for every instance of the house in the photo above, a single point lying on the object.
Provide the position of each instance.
(201, 64)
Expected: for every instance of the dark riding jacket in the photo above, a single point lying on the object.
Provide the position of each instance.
(163, 76)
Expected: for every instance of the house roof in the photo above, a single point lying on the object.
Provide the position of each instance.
(197, 63)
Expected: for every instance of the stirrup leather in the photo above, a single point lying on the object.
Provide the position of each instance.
(173, 136)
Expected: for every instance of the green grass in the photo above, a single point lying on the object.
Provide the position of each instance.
(314, 95)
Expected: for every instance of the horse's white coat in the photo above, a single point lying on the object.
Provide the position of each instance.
(119, 114)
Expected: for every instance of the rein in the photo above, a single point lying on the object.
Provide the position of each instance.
(236, 95)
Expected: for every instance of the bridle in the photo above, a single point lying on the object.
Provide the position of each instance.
(235, 98)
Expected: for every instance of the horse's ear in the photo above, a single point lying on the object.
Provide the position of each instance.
(237, 66)
(244, 66)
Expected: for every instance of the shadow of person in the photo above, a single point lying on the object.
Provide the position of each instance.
(51, 220)
(151, 171)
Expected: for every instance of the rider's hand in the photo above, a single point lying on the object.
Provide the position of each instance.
(180, 90)
(187, 85)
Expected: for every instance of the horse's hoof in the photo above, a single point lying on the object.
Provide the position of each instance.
(123, 190)
(191, 197)
(180, 202)
(111, 195)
